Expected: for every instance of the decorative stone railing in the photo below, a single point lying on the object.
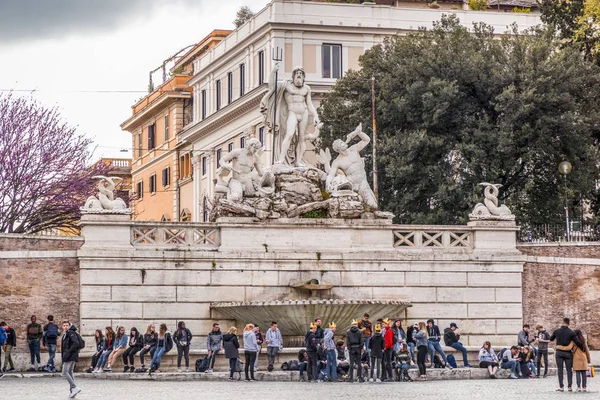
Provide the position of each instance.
(172, 234)
(442, 237)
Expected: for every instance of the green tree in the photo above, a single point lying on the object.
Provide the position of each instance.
(458, 107)
(242, 15)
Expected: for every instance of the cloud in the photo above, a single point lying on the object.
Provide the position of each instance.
(27, 20)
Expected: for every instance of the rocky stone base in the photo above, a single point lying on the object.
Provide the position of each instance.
(298, 194)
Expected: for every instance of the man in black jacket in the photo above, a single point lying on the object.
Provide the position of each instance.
(563, 336)
(70, 344)
(354, 344)
(310, 341)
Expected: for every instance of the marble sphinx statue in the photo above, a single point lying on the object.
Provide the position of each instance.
(289, 104)
(106, 201)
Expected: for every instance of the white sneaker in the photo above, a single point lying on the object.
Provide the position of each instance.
(209, 371)
(378, 380)
(179, 370)
(74, 392)
(371, 380)
(512, 376)
(187, 370)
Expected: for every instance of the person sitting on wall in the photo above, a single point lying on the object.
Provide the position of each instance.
(451, 339)
(488, 359)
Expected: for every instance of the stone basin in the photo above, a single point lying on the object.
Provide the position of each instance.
(294, 316)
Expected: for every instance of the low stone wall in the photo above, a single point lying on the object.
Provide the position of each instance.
(38, 276)
(563, 279)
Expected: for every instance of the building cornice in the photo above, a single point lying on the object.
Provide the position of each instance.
(165, 99)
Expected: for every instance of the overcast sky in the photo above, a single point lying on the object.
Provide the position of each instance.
(78, 54)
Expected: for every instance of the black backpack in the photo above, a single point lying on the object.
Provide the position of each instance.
(202, 365)
(52, 331)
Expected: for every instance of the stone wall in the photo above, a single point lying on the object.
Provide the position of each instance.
(38, 276)
(563, 280)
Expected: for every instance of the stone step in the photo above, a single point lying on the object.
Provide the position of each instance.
(434, 375)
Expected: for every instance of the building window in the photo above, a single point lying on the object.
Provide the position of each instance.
(332, 60)
(242, 142)
(203, 166)
(185, 215)
(166, 176)
(261, 135)
(205, 210)
(140, 190)
(242, 79)
(166, 127)
(261, 67)
(218, 156)
(230, 147)
(152, 183)
(140, 144)
(229, 87)
(203, 96)
(218, 90)
(151, 136)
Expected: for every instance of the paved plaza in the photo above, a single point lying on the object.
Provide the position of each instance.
(55, 388)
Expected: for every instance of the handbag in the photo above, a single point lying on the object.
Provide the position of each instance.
(591, 372)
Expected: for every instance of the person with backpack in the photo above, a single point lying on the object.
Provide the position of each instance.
(49, 337)
(214, 344)
(136, 343)
(183, 338)
(451, 339)
(355, 344)
(150, 340)
(34, 336)
(163, 346)
(120, 347)
(542, 339)
(11, 343)
(231, 346)
(433, 342)
(274, 344)
(376, 348)
(71, 344)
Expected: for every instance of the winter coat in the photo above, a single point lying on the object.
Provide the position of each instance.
(214, 340)
(433, 332)
(231, 344)
(250, 342)
(100, 345)
(150, 339)
(450, 337)
(178, 337)
(310, 342)
(328, 341)
(11, 337)
(376, 345)
(523, 338)
(366, 327)
(388, 339)
(581, 358)
(563, 336)
(354, 338)
(410, 332)
(70, 345)
(136, 340)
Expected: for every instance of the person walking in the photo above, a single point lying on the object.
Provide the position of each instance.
(564, 358)
(250, 351)
(354, 344)
(11, 343)
(183, 338)
(330, 352)
(136, 342)
(214, 344)
(51, 333)
(312, 347)
(34, 336)
(231, 347)
(376, 348)
(422, 348)
(581, 361)
(70, 345)
(274, 344)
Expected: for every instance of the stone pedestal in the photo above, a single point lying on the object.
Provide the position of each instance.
(106, 230)
(496, 236)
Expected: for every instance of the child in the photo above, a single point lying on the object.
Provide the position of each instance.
(376, 346)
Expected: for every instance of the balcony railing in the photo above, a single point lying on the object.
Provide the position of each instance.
(552, 233)
(447, 238)
(158, 234)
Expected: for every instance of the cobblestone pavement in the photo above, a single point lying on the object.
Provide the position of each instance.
(57, 388)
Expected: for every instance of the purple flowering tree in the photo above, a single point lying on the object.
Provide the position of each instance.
(45, 174)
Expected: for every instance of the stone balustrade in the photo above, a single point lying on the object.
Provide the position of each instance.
(160, 234)
(445, 237)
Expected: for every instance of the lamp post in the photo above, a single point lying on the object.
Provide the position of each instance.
(565, 168)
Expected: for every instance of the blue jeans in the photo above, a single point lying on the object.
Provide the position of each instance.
(51, 354)
(458, 346)
(532, 367)
(103, 358)
(232, 363)
(411, 347)
(331, 367)
(34, 351)
(436, 346)
(302, 368)
(512, 365)
(156, 359)
(367, 341)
